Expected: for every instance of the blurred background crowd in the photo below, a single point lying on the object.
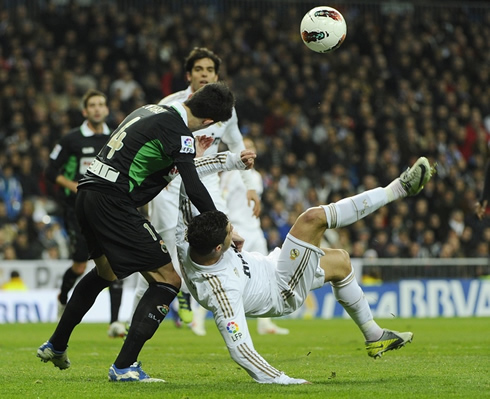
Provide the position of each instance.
(411, 79)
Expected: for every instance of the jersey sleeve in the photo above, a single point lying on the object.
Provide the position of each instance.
(229, 316)
(196, 191)
(58, 159)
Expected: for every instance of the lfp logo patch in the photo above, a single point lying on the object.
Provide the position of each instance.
(234, 331)
(232, 327)
(187, 145)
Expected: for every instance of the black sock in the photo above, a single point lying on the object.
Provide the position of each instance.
(115, 291)
(69, 280)
(79, 304)
(150, 312)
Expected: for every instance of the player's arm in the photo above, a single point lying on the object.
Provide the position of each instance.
(57, 160)
(197, 192)
(232, 324)
(234, 140)
(224, 161)
(481, 205)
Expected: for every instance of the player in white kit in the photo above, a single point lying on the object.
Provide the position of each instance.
(247, 225)
(237, 284)
(202, 67)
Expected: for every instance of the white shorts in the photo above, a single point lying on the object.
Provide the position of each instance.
(298, 271)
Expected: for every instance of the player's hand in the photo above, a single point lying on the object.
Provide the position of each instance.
(248, 158)
(480, 209)
(253, 196)
(237, 240)
(202, 144)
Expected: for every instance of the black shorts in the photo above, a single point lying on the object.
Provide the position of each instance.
(78, 245)
(114, 228)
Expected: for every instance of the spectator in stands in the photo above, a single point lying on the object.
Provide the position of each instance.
(15, 283)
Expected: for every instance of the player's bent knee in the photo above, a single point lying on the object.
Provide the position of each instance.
(313, 217)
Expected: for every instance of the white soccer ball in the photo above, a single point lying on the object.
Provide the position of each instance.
(117, 329)
(323, 29)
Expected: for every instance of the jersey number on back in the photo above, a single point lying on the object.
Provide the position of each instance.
(116, 141)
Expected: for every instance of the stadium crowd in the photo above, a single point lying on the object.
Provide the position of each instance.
(405, 83)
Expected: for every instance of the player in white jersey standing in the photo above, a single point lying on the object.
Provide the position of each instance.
(236, 284)
(202, 67)
(247, 225)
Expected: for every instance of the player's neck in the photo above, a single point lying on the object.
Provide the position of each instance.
(97, 128)
(204, 260)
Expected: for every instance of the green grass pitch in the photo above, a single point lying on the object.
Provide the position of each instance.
(449, 358)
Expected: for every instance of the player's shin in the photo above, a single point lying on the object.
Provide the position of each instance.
(82, 299)
(349, 210)
(150, 312)
(350, 295)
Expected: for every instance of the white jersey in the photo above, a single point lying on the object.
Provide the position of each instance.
(243, 284)
(240, 213)
(163, 209)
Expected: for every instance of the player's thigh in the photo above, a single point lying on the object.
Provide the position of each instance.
(298, 271)
(78, 244)
(124, 236)
(165, 274)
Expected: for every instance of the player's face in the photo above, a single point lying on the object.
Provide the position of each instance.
(96, 110)
(202, 73)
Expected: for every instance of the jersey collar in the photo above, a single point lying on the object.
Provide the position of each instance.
(87, 132)
(181, 110)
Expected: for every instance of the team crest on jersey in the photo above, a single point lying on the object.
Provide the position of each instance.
(187, 145)
(163, 247)
(236, 272)
(294, 253)
(163, 309)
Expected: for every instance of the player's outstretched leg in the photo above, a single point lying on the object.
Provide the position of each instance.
(389, 340)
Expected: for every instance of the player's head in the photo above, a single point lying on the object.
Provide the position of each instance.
(95, 108)
(209, 232)
(201, 67)
(213, 102)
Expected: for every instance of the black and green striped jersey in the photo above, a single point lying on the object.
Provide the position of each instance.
(73, 154)
(150, 147)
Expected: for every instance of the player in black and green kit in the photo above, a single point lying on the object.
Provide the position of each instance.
(149, 147)
(69, 161)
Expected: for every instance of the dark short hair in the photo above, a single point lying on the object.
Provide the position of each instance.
(206, 231)
(214, 101)
(89, 94)
(198, 53)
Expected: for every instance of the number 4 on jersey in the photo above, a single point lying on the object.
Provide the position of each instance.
(116, 141)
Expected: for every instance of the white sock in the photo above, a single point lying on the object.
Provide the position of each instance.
(395, 190)
(349, 210)
(350, 295)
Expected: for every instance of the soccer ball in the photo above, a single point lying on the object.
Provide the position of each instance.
(323, 29)
(117, 329)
